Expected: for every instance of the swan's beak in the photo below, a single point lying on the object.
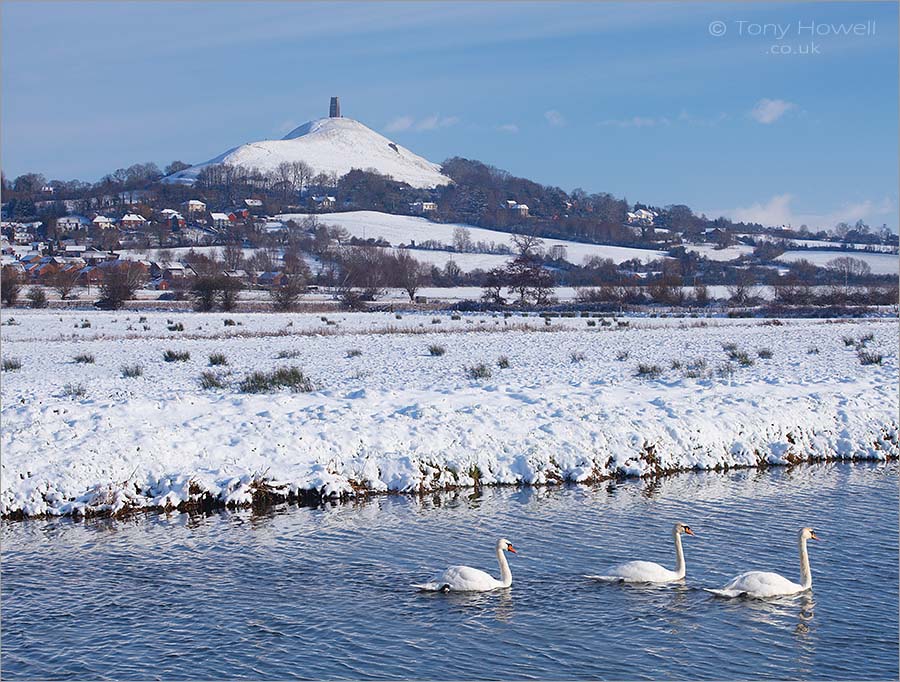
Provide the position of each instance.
(689, 531)
(813, 537)
(510, 548)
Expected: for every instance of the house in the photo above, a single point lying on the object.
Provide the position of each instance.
(513, 206)
(132, 220)
(324, 202)
(172, 218)
(220, 220)
(103, 223)
(558, 252)
(194, 206)
(170, 270)
(423, 207)
(641, 217)
(71, 223)
(239, 275)
(253, 203)
(270, 279)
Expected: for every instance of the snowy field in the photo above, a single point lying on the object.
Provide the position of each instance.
(398, 229)
(881, 263)
(386, 414)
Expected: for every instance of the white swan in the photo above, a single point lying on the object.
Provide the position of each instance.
(761, 584)
(647, 571)
(466, 579)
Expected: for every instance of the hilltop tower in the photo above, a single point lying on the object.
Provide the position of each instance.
(335, 110)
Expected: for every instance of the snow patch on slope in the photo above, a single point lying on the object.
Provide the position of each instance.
(329, 145)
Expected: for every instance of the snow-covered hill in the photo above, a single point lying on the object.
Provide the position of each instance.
(329, 145)
(398, 229)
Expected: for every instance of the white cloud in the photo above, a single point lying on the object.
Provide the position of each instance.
(637, 122)
(770, 110)
(432, 122)
(435, 121)
(399, 123)
(554, 118)
(508, 128)
(779, 211)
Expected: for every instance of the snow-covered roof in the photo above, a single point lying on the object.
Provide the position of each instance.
(133, 217)
(219, 216)
(102, 219)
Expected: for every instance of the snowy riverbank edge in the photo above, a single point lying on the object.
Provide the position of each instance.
(199, 452)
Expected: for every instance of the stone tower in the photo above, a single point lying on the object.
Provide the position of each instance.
(335, 110)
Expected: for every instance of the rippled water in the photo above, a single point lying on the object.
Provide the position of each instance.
(323, 593)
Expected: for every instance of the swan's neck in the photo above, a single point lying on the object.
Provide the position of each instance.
(505, 573)
(805, 573)
(679, 555)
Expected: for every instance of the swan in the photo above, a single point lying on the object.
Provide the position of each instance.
(762, 584)
(647, 571)
(466, 579)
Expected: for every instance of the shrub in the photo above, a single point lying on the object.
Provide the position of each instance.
(283, 377)
(178, 327)
(576, 356)
(132, 371)
(741, 357)
(649, 371)
(176, 356)
(725, 370)
(729, 347)
(36, 298)
(863, 340)
(676, 364)
(84, 359)
(455, 316)
(868, 358)
(622, 355)
(218, 359)
(696, 369)
(228, 322)
(764, 353)
(287, 354)
(10, 364)
(85, 324)
(503, 362)
(812, 350)
(479, 371)
(435, 320)
(74, 391)
(143, 318)
(849, 341)
(354, 353)
(436, 350)
(398, 316)
(592, 323)
(211, 380)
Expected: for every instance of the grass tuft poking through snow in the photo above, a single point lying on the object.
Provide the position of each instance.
(216, 359)
(74, 391)
(11, 364)
(84, 359)
(176, 356)
(869, 358)
(436, 350)
(287, 354)
(503, 362)
(479, 371)
(211, 380)
(132, 371)
(354, 353)
(646, 371)
(283, 377)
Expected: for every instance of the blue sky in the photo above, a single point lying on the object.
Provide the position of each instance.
(637, 99)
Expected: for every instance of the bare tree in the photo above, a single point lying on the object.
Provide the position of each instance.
(120, 283)
(462, 240)
(849, 268)
(64, 282)
(233, 255)
(286, 296)
(407, 273)
(10, 285)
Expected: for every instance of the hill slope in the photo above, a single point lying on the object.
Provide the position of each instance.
(329, 145)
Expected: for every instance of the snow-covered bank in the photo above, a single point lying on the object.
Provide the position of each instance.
(570, 406)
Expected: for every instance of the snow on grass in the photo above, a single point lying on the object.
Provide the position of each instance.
(398, 417)
(398, 229)
(881, 263)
